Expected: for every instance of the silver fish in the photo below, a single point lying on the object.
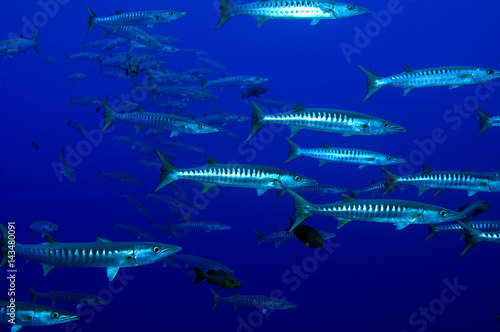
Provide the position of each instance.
(263, 303)
(430, 77)
(16, 45)
(473, 236)
(279, 236)
(483, 226)
(67, 297)
(207, 226)
(314, 10)
(487, 121)
(234, 81)
(42, 226)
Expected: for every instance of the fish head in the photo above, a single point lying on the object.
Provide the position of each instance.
(383, 127)
(200, 128)
(48, 316)
(291, 180)
(384, 160)
(277, 304)
(343, 10)
(51, 227)
(171, 15)
(494, 182)
(483, 75)
(149, 252)
(436, 214)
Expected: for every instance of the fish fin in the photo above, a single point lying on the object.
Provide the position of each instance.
(302, 207)
(426, 169)
(225, 12)
(200, 276)
(362, 166)
(466, 170)
(215, 297)
(342, 222)
(315, 21)
(49, 239)
(211, 161)
(454, 86)
(433, 231)
(92, 17)
(118, 12)
(24, 318)
(371, 81)
(471, 237)
(484, 121)
(327, 146)
(280, 193)
(407, 91)
(47, 269)
(322, 162)
(277, 244)
(390, 181)
(109, 115)
(438, 192)
(422, 190)
(168, 171)
(260, 191)
(207, 187)
(111, 272)
(103, 240)
(17, 327)
(408, 69)
(400, 226)
(294, 131)
(34, 38)
(276, 229)
(346, 198)
(137, 129)
(298, 108)
(260, 238)
(471, 192)
(258, 115)
(261, 20)
(174, 133)
(264, 310)
(293, 150)
(33, 295)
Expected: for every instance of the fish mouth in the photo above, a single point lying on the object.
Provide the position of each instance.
(455, 216)
(67, 318)
(171, 250)
(398, 161)
(397, 129)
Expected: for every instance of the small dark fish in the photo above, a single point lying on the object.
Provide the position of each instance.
(254, 91)
(131, 66)
(219, 278)
(307, 235)
(34, 145)
(76, 126)
(475, 208)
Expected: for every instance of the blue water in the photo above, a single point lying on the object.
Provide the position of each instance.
(373, 279)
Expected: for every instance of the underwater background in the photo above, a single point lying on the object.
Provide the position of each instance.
(371, 277)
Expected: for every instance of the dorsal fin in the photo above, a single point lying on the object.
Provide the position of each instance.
(327, 146)
(466, 170)
(373, 181)
(236, 294)
(223, 75)
(408, 69)
(49, 238)
(118, 12)
(427, 169)
(211, 161)
(102, 240)
(298, 108)
(346, 198)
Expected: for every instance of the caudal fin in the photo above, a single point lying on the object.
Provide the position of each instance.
(215, 300)
(257, 117)
(168, 171)
(35, 40)
(109, 115)
(371, 82)
(484, 121)
(92, 17)
(433, 231)
(390, 181)
(204, 83)
(33, 295)
(200, 276)
(471, 237)
(293, 150)
(260, 238)
(225, 12)
(301, 210)
(4, 243)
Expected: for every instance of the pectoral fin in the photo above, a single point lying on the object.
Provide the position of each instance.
(315, 21)
(47, 269)
(260, 21)
(112, 271)
(294, 131)
(15, 328)
(407, 91)
(400, 226)
(453, 87)
(260, 191)
(343, 222)
(207, 187)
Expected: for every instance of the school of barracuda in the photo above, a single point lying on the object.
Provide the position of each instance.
(171, 93)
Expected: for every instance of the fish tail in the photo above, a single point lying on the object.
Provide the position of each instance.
(301, 210)
(35, 40)
(257, 117)
(353, 193)
(69, 123)
(200, 276)
(484, 121)
(390, 181)
(260, 238)
(471, 237)
(371, 81)
(4, 243)
(433, 231)
(215, 300)
(242, 95)
(225, 12)
(293, 150)
(33, 295)
(109, 115)
(92, 17)
(70, 101)
(168, 171)
(204, 83)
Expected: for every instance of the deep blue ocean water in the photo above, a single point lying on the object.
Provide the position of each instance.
(373, 279)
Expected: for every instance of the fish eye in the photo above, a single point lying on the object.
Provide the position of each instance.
(171, 13)
(389, 158)
(54, 315)
(490, 71)
(386, 124)
(156, 250)
(443, 213)
(201, 126)
(350, 7)
(297, 178)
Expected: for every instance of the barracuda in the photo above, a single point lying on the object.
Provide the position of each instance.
(260, 302)
(237, 81)
(483, 226)
(376, 186)
(133, 33)
(472, 182)
(279, 236)
(160, 121)
(103, 253)
(342, 122)
(149, 18)
(398, 212)
(341, 155)
(207, 226)
(28, 314)
(430, 77)
(473, 236)
(289, 10)
(315, 190)
(67, 297)
(214, 174)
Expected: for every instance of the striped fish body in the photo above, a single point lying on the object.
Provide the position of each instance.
(29, 314)
(483, 226)
(149, 18)
(320, 190)
(133, 33)
(486, 121)
(236, 81)
(223, 118)
(376, 186)
(290, 10)
(342, 122)
(67, 297)
(200, 226)
(261, 302)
